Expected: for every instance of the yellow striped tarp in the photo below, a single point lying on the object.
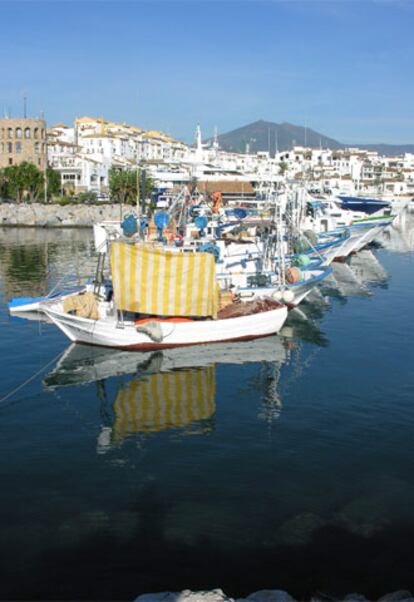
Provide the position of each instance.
(165, 400)
(163, 283)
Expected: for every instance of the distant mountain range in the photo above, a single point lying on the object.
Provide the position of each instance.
(269, 136)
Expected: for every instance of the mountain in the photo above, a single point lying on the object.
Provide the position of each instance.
(387, 149)
(267, 135)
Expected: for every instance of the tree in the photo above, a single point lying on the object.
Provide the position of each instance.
(3, 184)
(123, 185)
(13, 182)
(23, 180)
(53, 182)
(88, 197)
(283, 166)
(31, 180)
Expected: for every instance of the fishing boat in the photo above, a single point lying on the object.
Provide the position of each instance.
(362, 232)
(22, 305)
(366, 205)
(291, 293)
(162, 299)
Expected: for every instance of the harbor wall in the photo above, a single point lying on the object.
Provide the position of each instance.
(57, 216)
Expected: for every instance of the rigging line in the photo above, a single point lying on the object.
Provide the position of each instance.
(30, 379)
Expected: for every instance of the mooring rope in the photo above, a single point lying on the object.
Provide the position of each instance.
(31, 378)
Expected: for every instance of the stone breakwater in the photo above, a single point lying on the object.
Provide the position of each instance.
(54, 216)
(265, 595)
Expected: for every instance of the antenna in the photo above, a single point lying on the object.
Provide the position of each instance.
(24, 105)
(276, 143)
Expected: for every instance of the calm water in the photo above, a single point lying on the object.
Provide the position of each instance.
(284, 463)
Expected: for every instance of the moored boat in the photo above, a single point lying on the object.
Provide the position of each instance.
(156, 333)
(162, 299)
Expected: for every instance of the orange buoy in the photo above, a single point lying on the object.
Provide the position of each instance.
(293, 274)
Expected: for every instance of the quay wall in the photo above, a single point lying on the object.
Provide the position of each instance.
(58, 216)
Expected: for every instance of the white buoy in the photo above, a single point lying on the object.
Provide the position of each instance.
(288, 296)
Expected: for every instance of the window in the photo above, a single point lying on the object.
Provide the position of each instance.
(2, 133)
(18, 147)
(36, 133)
(10, 148)
(9, 132)
(10, 161)
(37, 147)
(18, 132)
(2, 148)
(27, 133)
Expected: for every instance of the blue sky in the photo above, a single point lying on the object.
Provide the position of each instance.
(343, 67)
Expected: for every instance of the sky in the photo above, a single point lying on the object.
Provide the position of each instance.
(342, 67)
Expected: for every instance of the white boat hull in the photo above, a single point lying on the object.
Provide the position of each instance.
(107, 333)
(361, 236)
(291, 294)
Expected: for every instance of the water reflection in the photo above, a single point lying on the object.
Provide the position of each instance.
(400, 236)
(32, 260)
(285, 461)
(171, 389)
(149, 392)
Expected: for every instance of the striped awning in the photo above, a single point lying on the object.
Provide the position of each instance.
(165, 400)
(163, 283)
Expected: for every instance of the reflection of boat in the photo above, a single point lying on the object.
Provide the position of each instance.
(400, 237)
(173, 388)
(164, 400)
(82, 364)
(367, 268)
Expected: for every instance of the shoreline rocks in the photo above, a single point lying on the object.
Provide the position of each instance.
(58, 216)
(265, 595)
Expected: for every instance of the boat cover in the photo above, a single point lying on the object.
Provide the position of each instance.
(163, 283)
(165, 400)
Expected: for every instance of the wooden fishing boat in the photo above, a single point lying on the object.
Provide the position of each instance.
(162, 299)
(261, 319)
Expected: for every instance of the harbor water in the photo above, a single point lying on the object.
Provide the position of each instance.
(282, 463)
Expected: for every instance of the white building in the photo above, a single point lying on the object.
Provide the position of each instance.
(85, 153)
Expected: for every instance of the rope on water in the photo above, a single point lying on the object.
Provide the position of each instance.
(31, 378)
